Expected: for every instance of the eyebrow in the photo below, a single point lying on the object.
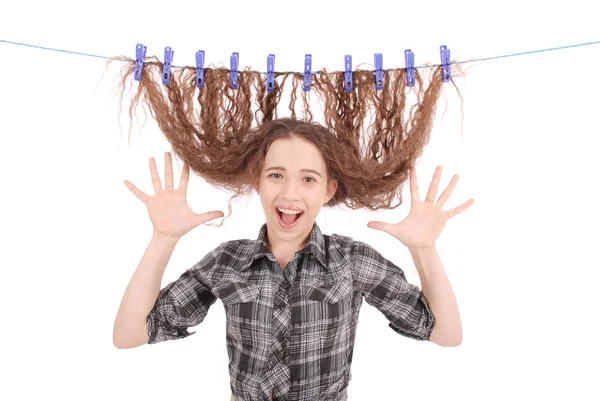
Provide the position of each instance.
(304, 170)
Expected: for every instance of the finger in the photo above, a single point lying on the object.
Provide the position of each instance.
(168, 171)
(154, 174)
(381, 225)
(204, 217)
(461, 208)
(433, 187)
(140, 195)
(414, 186)
(448, 191)
(185, 177)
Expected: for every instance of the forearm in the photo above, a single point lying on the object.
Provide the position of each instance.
(142, 292)
(439, 294)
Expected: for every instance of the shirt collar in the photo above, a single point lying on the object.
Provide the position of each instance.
(314, 245)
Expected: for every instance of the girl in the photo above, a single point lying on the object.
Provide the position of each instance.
(292, 296)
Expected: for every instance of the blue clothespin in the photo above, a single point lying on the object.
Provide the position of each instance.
(409, 57)
(348, 73)
(233, 70)
(307, 72)
(379, 70)
(166, 78)
(271, 72)
(140, 56)
(200, 68)
(445, 56)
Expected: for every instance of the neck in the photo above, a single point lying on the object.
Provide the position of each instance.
(284, 248)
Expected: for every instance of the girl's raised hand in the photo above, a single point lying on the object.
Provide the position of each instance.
(168, 208)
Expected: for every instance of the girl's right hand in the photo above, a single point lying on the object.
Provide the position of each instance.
(168, 208)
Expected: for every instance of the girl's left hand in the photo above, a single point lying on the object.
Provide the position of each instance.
(426, 219)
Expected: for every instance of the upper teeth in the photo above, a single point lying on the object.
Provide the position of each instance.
(286, 211)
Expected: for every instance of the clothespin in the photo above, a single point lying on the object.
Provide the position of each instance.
(233, 70)
(200, 68)
(307, 72)
(379, 70)
(271, 72)
(348, 73)
(140, 56)
(166, 78)
(445, 56)
(409, 57)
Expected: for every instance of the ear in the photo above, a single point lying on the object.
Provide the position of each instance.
(331, 188)
(256, 186)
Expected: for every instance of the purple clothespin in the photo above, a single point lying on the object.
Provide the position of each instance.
(271, 72)
(409, 57)
(200, 68)
(348, 73)
(307, 72)
(445, 56)
(166, 78)
(140, 56)
(379, 70)
(233, 70)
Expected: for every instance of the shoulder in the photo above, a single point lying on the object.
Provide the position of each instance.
(238, 248)
(354, 252)
(350, 246)
(219, 261)
(338, 245)
(339, 240)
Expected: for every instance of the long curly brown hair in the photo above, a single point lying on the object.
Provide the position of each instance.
(369, 138)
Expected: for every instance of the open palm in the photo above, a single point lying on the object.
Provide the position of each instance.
(168, 208)
(426, 219)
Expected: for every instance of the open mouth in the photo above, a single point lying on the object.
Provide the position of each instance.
(288, 220)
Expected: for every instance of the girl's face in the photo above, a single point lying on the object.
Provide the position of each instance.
(294, 175)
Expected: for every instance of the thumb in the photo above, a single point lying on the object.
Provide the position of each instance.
(215, 214)
(379, 225)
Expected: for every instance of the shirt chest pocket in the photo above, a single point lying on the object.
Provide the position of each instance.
(331, 293)
(233, 292)
(329, 304)
(240, 301)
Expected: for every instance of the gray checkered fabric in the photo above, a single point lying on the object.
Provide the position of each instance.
(290, 332)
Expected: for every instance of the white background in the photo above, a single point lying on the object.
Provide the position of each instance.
(522, 260)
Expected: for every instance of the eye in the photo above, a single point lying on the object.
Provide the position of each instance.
(310, 178)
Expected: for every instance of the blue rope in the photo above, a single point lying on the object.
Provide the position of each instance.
(316, 72)
(56, 50)
(529, 52)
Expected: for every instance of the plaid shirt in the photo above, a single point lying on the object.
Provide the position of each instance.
(290, 332)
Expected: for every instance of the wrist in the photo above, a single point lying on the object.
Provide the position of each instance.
(164, 237)
(423, 250)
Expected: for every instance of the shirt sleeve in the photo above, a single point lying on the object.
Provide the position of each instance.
(384, 286)
(181, 304)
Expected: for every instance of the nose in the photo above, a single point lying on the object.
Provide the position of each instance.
(290, 191)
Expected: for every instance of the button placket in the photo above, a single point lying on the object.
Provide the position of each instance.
(280, 309)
